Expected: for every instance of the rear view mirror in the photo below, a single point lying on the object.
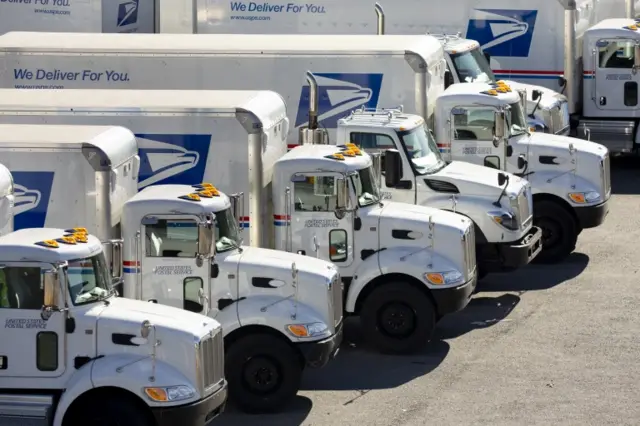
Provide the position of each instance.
(376, 158)
(51, 289)
(392, 167)
(502, 179)
(522, 161)
(342, 197)
(499, 121)
(636, 58)
(116, 260)
(205, 239)
(536, 94)
(448, 79)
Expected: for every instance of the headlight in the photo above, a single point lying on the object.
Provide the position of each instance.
(584, 197)
(308, 330)
(444, 278)
(170, 393)
(506, 219)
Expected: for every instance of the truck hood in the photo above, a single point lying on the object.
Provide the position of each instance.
(471, 179)
(258, 261)
(411, 215)
(547, 144)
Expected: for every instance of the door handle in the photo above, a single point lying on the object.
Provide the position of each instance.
(153, 300)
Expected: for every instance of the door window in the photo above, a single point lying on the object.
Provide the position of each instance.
(47, 351)
(315, 193)
(473, 124)
(372, 141)
(618, 54)
(21, 288)
(172, 238)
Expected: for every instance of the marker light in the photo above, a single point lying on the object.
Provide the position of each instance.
(48, 244)
(444, 278)
(336, 156)
(169, 393)
(190, 197)
(80, 238)
(348, 153)
(307, 330)
(76, 231)
(67, 239)
(584, 197)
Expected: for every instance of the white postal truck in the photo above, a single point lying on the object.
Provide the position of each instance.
(432, 254)
(73, 353)
(351, 71)
(279, 311)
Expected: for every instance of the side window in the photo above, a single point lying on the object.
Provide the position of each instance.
(372, 141)
(191, 294)
(21, 288)
(47, 351)
(315, 193)
(172, 238)
(492, 161)
(631, 93)
(338, 248)
(616, 53)
(475, 123)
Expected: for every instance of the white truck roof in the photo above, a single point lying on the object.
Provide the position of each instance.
(167, 198)
(302, 44)
(463, 90)
(22, 246)
(47, 136)
(611, 28)
(265, 106)
(315, 155)
(382, 118)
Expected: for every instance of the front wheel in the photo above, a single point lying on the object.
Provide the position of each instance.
(263, 373)
(559, 231)
(113, 410)
(398, 318)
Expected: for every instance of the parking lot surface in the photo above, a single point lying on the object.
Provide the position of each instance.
(547, 345)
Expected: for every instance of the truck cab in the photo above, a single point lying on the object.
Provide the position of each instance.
(547, 110)
(403, 266)
(485, 124)
(280, 311)
(498, 203)
(75, 353)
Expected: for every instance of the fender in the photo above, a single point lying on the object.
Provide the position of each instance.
(102, 372)
(561, 184)
(275, 312)
(411, 261)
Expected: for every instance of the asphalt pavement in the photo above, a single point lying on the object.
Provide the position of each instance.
(546, 345)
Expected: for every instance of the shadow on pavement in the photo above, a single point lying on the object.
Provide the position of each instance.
(481, 312)
(359, 368)
(293, 415)
(535, 277)
(625, 175)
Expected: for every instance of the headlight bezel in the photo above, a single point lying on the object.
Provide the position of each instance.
(584, 197)
(445, 278)
(506, 219)
(163, 393)
(308, 330)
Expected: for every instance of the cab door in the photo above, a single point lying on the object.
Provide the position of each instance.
(316, 229)
(616, 82)
(171, 272)
(372, 142)
(31, 346)
(472, 130)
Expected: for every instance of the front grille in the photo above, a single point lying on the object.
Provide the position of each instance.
(335, 291)
(524, 209)
(469, 249)
(211, 357)
(605, 170)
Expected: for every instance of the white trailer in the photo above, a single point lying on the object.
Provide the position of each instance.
(351, 71)
(74, 353)
(236, 168)
(88, 16)
(94, 169)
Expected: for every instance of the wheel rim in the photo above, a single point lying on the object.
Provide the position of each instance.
(261, 375)
(551, 232)
(397, 320)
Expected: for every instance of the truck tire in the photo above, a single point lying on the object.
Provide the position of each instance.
(112, 410)
(263, 373)
(559, 231)
(398, 318)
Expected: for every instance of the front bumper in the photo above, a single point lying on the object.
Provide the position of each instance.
(506, 257)
(592, 216)
(454, 299)
(197, 414)
(318, 354)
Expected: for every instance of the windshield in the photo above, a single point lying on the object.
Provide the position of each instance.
(227, 233)
(517, 122)
(366, 187)
(89, 279)
(472, 67)
(422, 149)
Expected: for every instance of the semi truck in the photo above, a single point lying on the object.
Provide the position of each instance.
(74, 353)
(351, 71)
(280, 311)
(387, 244)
